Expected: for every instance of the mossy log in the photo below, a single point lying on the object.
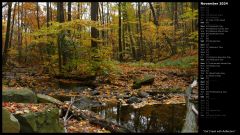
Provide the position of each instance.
(148, 79)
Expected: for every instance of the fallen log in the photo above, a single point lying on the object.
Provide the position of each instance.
(108, 125)
(75, 77)
(93, 118)
(80, 80)
(148, 79)
(90, 83)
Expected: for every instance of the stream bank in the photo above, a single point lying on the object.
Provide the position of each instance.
(115, 99)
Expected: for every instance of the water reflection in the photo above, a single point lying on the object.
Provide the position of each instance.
(151, 118)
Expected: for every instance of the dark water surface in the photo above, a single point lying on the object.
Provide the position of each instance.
(150, 118)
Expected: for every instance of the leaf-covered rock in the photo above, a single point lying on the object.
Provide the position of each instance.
(22, 95)
(46, 121)
(9, 123)
(47, 99)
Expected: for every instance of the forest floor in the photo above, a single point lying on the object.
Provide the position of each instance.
(168, 87)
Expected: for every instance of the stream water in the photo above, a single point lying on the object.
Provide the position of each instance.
(151, 118)
(160, 118)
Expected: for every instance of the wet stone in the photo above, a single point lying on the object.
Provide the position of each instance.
(133, 100)
(95, 93)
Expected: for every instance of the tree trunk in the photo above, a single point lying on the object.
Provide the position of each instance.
(19, 36)
(156, 24)
(48, 17)
(120, 32)
(103, 36)
(21, 25)
(7, 33)
(131, 41)
(38, 16)
(78, 10)
(64, 55)
(140, 30)
(50, 6)
(25, 16)
(94, 17)
(174, 48)
(60, 18)
(154, 14)
(194, 21)
(69, 11)
(12, 28)
(107, 20)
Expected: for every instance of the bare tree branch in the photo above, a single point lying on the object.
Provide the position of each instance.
(4, 5)
(66, 118)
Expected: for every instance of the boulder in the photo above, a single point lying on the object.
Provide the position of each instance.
(9, 123)
(148, 79)
(23, 95)
(86, 103)
(47, 99)
(46, 121)
(95, 93)
(142, 94)
(133, 100)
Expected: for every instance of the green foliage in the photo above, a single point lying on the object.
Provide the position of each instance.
(101, 64)
(193, 38)
(76, 50)
(183, 62)
(157, 41)
(107, 67)
(189, 15)
(76, 47)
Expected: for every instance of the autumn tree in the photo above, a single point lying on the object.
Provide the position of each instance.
(12, 27)
(102, 21)
(140, 53)
(60, 18)
(7, 33)
(194, 22)
(37, 8)
(69, 11)
(94, 17)
(120, 32)
(50, 10)
(175, 24)
(99, 31)
(48, 14)
(19, 34)
(155, 19)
